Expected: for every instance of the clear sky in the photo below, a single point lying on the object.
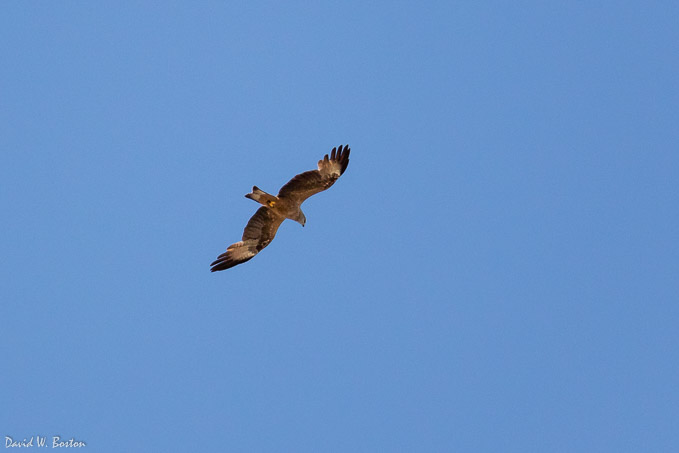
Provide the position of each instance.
(497, 270)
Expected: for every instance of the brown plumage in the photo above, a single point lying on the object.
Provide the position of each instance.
(262, 226)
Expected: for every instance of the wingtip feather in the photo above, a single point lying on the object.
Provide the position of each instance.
(343, 158)
(221, 265)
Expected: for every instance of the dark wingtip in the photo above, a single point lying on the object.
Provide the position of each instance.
(343, 157)
(221, 264)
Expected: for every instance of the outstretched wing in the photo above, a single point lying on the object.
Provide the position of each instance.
(259, 232)
(311, 182)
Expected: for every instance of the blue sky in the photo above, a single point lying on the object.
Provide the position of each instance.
(497, 270)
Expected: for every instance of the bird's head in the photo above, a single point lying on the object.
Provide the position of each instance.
(301, 219)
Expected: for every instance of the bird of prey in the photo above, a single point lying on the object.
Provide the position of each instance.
(262, 227)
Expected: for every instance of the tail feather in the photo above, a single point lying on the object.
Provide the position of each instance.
(261, 197)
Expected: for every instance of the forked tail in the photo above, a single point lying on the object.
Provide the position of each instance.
(261, 197)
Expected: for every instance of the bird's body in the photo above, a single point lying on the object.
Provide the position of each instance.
(263, 225)
(283, 207)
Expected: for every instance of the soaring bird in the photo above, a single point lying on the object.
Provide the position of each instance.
(262, 226)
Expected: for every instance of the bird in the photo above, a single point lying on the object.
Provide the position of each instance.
(263, 225)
